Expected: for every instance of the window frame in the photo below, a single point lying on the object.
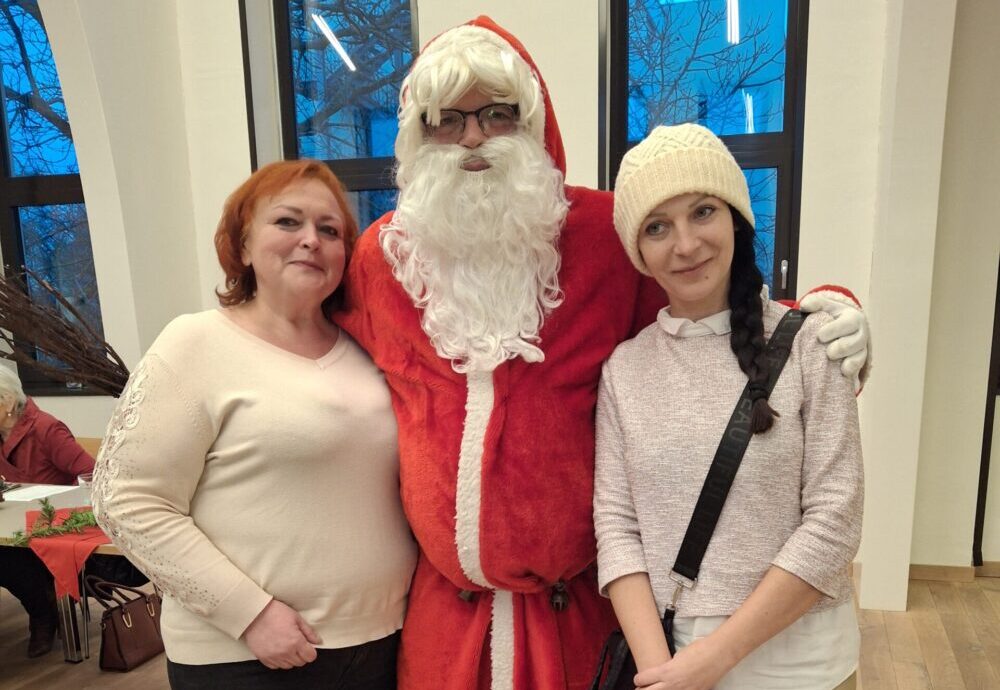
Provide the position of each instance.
(779, 150)
(20, 192)
(356, 174)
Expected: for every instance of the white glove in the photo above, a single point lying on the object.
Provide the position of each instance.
(847, 337)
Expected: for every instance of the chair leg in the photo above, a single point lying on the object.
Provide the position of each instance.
(85, 606)
(69, 626)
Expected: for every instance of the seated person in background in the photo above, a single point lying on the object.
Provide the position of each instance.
(36, 448)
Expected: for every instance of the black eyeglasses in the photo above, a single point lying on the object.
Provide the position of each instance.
(495, 119)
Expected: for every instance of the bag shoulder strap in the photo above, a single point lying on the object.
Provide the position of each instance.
(727, 461)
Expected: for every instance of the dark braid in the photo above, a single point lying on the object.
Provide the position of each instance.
(747, 322)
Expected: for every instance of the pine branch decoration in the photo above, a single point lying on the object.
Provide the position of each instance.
(75, 522)
(28, 326)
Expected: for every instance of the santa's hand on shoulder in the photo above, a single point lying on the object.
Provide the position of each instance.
(847, 337)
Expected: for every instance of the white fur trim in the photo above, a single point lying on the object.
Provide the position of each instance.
(502, 641)
(468, 504)
(833, 296)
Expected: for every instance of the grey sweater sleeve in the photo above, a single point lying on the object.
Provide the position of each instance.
(619, 544)
(832, 474)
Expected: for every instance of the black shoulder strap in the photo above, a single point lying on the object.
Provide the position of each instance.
(727, 460)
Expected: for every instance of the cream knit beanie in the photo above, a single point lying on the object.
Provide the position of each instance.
(669, 162)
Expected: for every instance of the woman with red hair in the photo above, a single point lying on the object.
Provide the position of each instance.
(234, 473)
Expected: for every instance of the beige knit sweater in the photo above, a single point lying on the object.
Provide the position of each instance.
(234, 471)
(796, 502)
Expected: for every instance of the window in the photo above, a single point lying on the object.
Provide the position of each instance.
(340, 66)
(736, 67)
(43, 220)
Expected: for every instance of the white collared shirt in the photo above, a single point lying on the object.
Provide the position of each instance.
(816, 652)
(716, 324)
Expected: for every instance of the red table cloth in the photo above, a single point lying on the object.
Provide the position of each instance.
(65, 554)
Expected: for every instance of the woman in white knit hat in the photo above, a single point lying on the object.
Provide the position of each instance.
(772, 606)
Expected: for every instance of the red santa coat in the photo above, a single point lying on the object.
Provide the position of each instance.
(496, 470)
(535, 467)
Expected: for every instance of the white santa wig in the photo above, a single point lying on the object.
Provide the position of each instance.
(448, 67)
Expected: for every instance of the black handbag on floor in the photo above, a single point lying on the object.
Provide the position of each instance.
(616, 657)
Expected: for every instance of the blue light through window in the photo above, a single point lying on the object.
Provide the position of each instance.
(344, 113)
(39, 141)
(720, 63)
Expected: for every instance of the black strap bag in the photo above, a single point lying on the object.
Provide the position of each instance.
(616, 657)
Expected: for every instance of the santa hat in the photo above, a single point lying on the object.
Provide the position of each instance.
(479, 52)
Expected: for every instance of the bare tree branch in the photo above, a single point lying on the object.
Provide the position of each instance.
(682, 69)
(30, 328)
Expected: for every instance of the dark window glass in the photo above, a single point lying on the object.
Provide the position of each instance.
(340, 66)
(348, 60)
(763, 183)
(38, 135)
(371, 204)
(57, 249)
(720, 63)
(736, 67)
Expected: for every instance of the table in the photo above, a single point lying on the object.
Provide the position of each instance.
(76, 647)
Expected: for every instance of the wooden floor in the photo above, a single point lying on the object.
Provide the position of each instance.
(948, 639)
(50, 672)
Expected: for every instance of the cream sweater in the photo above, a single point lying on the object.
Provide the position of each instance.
(663, 404)
(234, 471)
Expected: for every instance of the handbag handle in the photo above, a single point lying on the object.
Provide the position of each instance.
(103, 589)
(726, 463)
(602, 661)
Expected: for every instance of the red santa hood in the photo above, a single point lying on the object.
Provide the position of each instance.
(543, 123)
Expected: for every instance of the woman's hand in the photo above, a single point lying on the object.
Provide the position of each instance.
(779, 600)
(699, 666)
(280, 638)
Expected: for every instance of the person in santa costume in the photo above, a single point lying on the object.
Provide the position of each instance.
(490, 298)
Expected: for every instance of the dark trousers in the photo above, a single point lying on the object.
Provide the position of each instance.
(27, 578)
(369, 666)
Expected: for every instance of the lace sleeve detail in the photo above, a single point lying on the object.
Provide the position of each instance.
(107, 467)
(146, 474)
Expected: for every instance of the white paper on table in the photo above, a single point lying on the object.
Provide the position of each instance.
(33, 493)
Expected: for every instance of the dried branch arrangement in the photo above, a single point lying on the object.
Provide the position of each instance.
(27, 327)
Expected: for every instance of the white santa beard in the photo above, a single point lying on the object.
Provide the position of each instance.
(476, 251)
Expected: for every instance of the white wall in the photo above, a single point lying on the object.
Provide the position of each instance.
(840, 156)
(911, 131)
(154, 93)
(875, 107)
(134, 51)
(215, 118)
(965, 274)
